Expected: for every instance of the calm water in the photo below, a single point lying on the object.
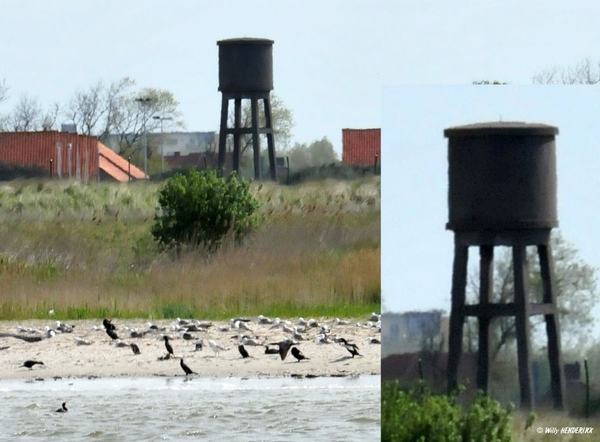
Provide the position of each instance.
(148, 409)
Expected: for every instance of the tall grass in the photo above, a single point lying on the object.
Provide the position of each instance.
(86, 251)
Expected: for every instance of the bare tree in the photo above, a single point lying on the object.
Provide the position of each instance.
(3, 91)
(50, 117)
(87, 107)
(584, 72)
(26, 115)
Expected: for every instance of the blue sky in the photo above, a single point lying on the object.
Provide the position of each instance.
(417, 251)
(330, 57)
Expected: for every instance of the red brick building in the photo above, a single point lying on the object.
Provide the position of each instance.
(65, 155)
(361, 147)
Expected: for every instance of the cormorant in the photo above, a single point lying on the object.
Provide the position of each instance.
(63, 409)
(352, 348)
(271, 351)
(108, 325)
(112, 334)
(168, 346)
(187, 369)
(135, 348)
(284, 348)
(298, 354)
(30, 364)
(243, 351)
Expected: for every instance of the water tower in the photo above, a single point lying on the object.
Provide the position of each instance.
(246, 73)
(502, 192)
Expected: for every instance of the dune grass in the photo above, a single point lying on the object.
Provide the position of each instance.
(85, 251)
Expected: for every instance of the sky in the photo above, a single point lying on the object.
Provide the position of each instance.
(330, 57)
(417, 250)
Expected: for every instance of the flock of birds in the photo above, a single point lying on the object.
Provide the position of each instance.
(244, 336)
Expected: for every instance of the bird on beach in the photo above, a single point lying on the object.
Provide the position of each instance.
(352, 348)
(135, 348)
(63, 408)
(298, 354)
(371, 340)
(243, 351)
(29, 364)
(199, 345)
(271, 351)
(216, 347)
(284, 348)
(108, 325)
(185, 368)
(168, 346)
(113, 335)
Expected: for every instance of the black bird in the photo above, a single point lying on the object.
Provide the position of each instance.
(243, 351)
(284, 348)
(63, 409)
(352, 348)
(30, 364)
(271, 351)
(113, 335)
(108, 325)
(187, 369)
(298, 354)
(135, 348)
(199, 345)
(168, 346)
(187, 336)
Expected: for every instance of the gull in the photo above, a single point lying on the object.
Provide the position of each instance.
(63, 408)
(185, 368)
(29, 364)
(297, 336)
(373, 340)
(264, 320)
(241, 325)
(284, 347)
(322, 339)
(375, 317)
(302, 321)
(136, 334)
(216, 347)
(298, 354)
(287, 329)
(120, 343)
(313, 323)
(325, 329)
(81, 341)
(249, 341)
(338, 321)
(205, 324)
(63, 328)
(49, 333)
(183, 322)
(51, 312)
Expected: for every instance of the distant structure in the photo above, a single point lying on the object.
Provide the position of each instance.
(414, 331)
(361, 147)
(246, 72)
(502, 192)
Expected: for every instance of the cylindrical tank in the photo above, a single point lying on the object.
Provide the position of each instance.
(502, 175)
(245, 65)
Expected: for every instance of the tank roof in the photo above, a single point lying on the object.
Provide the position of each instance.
(500, 128)
(245, 41)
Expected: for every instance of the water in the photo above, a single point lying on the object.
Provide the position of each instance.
(151, 409)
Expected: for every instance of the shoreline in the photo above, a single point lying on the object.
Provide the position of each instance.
(63, 358)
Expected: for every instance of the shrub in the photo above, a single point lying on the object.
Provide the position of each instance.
(417, 415)
(200, 208)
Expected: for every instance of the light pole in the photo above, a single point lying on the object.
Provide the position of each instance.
(162, 139)
(144, 101)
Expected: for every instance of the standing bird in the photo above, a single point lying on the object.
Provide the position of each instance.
(284, 348)
(108, 325)
(168, 346)
(63, 409)
(298, 354)
(352, 348)
(243, 351)
(216, 347)
(113, 335)
(185, 368)
(135, 348)
(30, 364)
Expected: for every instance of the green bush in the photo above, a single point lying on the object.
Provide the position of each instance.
(200, 208)
(418, 416)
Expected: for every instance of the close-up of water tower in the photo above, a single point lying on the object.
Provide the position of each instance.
(502, 192)
(246, 73)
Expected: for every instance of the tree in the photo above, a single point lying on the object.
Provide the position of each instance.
(3, 91)
(488, 82)
(318, 153)
(575, 284)
(584, 72)
(200, 208)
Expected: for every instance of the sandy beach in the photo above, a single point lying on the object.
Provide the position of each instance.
(64, 358)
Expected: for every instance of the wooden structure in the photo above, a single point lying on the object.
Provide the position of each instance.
(246, 73)
(502, 192)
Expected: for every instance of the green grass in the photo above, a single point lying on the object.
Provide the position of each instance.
(86, 252)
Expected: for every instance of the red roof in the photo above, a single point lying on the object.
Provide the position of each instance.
(69, 155)
(360, 146)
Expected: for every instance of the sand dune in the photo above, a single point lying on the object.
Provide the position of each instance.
(63, 357)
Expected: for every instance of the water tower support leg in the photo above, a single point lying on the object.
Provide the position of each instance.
(457, 318)
(255, 139)
(270, 142)
(522, 326)
(557, 380)
(237, 117)
(223, 134)
(486, 279)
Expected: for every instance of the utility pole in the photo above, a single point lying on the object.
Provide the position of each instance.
(144, 101)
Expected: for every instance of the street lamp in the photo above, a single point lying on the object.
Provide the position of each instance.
(144, 101)
(162, 139)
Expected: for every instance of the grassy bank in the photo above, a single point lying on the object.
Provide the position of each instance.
(86, 251)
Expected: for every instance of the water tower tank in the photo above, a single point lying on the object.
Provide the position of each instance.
(502, 175)
(245, 65)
